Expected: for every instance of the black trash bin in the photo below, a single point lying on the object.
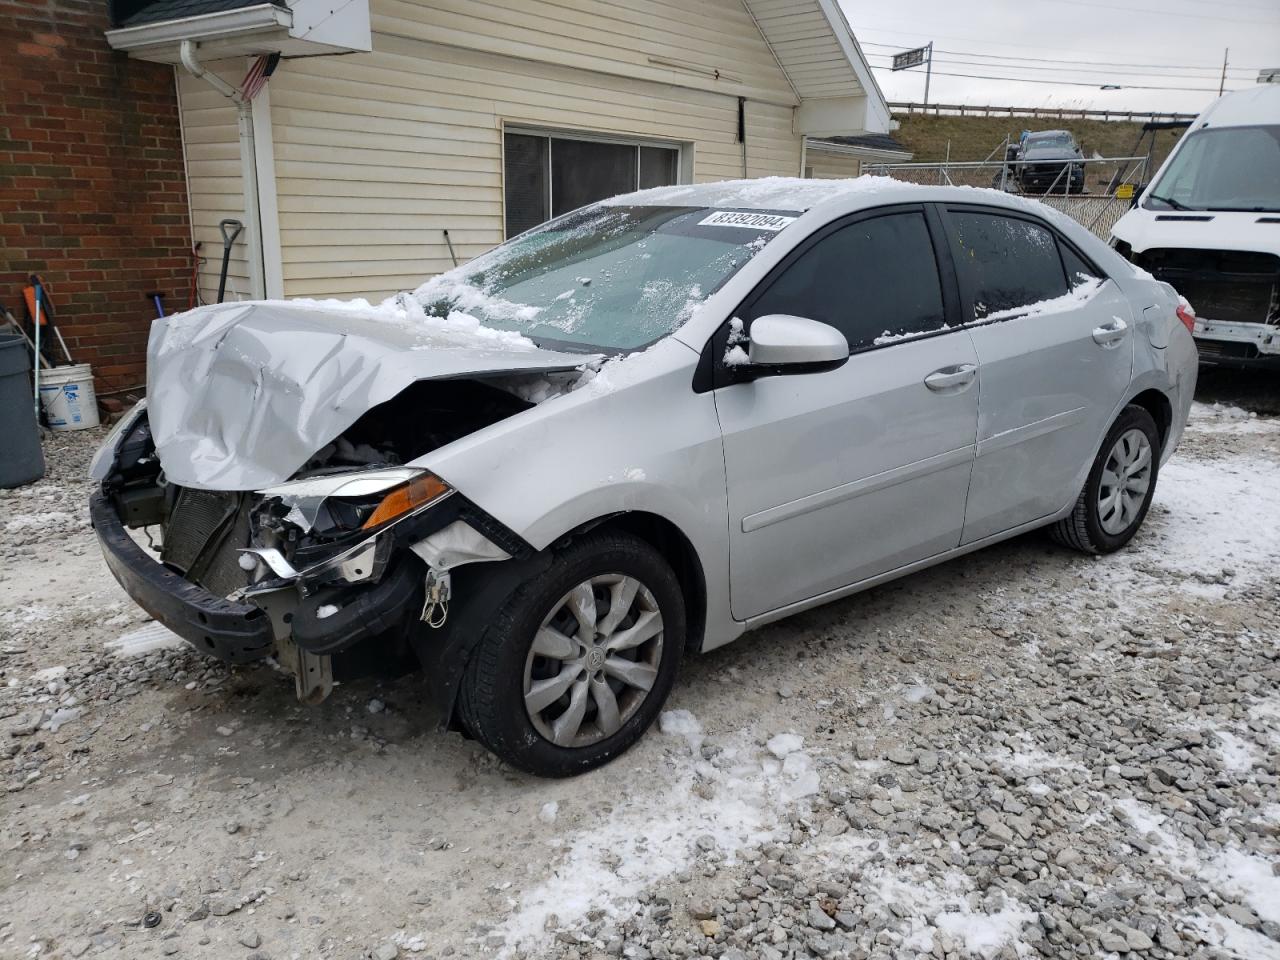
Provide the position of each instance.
(21, 460)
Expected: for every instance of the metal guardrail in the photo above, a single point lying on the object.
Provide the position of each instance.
(1046, 113)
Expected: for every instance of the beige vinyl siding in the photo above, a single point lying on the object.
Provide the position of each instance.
(377, 154)
(659, 40)
(830, 166)
(213, 176)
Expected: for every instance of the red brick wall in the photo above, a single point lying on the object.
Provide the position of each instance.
(93, 195)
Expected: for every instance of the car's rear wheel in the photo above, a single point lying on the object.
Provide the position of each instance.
(577, 663)
(1118, 492)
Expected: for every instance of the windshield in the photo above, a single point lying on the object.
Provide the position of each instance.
(606, 278)
(1060, 140)
(1228, 168)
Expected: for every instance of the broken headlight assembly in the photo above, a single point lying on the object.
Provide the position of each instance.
(338, 527)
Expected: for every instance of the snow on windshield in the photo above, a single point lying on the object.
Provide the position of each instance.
(610, 278)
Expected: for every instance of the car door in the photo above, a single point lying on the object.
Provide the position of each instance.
(839, 476)
(1055, 354)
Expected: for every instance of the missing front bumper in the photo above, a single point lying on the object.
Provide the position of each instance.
(239, 632)
(221, 628)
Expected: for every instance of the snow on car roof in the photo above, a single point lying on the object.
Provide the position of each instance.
(765, 193)
(798, 195)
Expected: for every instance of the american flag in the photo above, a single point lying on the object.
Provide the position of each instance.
(258, 75)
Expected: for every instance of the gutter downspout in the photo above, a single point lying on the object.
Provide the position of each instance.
(248, 163)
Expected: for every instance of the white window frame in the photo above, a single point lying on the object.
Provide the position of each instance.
(683, 148)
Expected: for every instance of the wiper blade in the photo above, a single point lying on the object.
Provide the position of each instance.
(1170, 202)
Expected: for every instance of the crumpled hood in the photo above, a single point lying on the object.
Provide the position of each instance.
(241, 395)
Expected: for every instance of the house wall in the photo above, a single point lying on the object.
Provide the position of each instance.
(215, 182)
(92, 195)
(824, 166)
(377, 154)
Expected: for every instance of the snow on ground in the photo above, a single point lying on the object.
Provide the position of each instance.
(1238, 755)
(953, 763)
(1208, 523)
(1236, 940)
(720, 800)
(1228, 418)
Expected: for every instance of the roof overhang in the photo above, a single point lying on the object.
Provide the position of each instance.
(815, 47)
(262, 18)
(303, 28)
(818, 145)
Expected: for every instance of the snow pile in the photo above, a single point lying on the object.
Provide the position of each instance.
(144, 640)
(767, 193)
(462, 297)
(1236, 940)
(722, 801)
(984, 933)
(1226, 418)
(1207, 519)
(1234, 873)
(1028, 758)
(889, 337)
(1140, 816)
(938, 912)
(1238, 755)
(1075, 297)
(457, 330)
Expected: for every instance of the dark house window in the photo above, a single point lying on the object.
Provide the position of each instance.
(546, 176)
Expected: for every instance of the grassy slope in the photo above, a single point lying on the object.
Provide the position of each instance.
(972, 138)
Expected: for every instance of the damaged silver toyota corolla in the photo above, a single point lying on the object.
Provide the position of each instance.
(634, 432)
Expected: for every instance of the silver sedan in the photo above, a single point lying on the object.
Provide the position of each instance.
(635, 433)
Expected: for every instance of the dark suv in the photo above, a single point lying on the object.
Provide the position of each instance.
(1044, 163)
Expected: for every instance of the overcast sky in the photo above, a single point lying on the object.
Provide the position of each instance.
(1130, 43)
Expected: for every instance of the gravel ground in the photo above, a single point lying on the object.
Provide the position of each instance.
(1021, 753)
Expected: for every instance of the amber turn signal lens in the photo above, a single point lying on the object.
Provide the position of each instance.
(414, 494)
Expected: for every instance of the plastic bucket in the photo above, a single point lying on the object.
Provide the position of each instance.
(66, 393)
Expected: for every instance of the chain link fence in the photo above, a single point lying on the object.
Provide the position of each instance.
(1095, 193)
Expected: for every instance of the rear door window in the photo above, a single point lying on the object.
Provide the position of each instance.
(875, 280)
(1005, 263)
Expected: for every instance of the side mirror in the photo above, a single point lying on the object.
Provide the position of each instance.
(785, 344)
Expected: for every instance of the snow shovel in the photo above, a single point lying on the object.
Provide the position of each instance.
(40, 308)
(228, 238)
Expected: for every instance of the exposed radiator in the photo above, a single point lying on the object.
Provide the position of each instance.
(200, 540)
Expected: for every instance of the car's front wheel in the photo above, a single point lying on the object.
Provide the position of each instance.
(1118, 492)
(576, 664)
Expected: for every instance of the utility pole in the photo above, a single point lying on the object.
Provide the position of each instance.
(928, 72)
(1221, 83)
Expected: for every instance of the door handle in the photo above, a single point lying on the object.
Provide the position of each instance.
(948, 378)
(1110, 334)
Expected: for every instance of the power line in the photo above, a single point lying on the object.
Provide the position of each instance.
(1151, 10)
(1106, 74)
(1064, 82)
(915, 35)
(1213, 68)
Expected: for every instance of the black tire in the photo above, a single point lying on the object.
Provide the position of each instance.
(1082, 528)
(491, 698)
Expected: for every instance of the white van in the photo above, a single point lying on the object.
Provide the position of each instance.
(1209, 225)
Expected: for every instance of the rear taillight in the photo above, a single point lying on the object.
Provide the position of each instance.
(1187, 315)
